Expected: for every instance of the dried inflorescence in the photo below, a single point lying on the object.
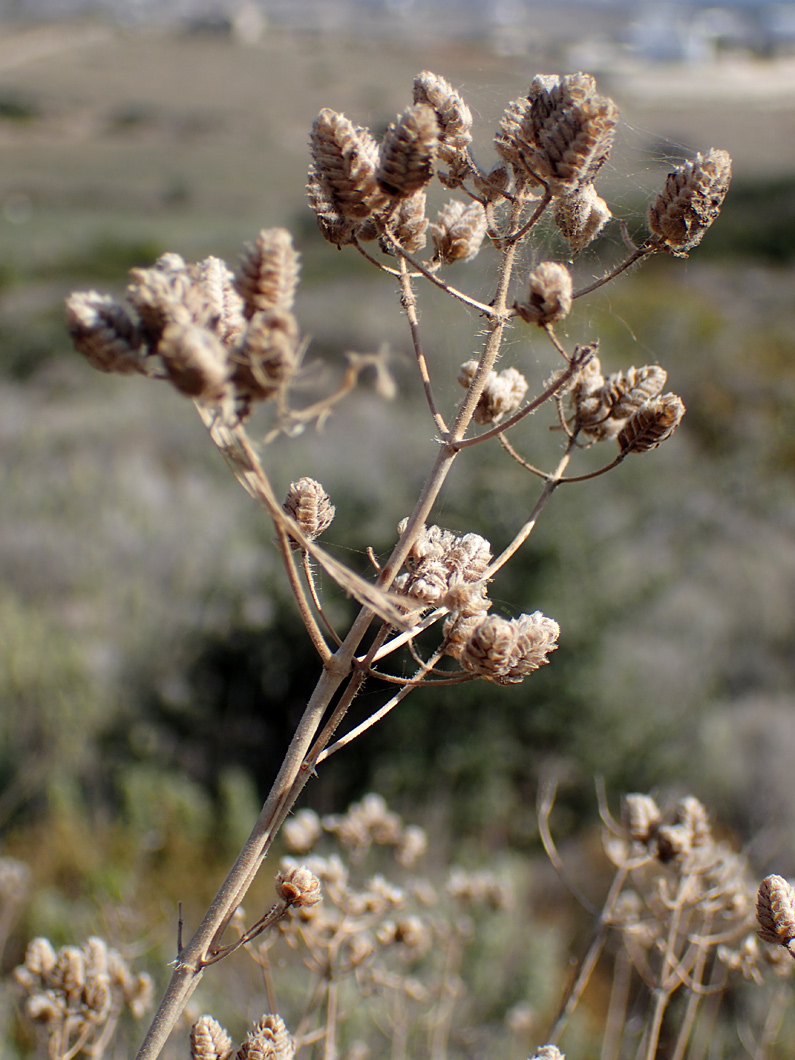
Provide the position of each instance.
(309, 504)
(690, 201)
(268, 1039)
(499, 649)
(581, 215)
(458, 232)
(560, 135)
(440, 560)
(775, 912)
(503, 392)
(549, 295)
(209, 1040)
(225, 339)
(452, 114)
(77, 993)
(408, 152)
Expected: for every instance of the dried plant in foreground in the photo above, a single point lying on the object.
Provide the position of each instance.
(229, 339)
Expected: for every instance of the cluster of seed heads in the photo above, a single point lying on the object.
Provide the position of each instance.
(223, 338)
(268, 1039)
(77, 993)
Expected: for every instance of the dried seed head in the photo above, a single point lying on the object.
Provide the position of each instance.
(97, 996)
(408, 225)
(408, 152)
(333, 225)
(581, 216)
(493, 185)
(267, 1040)
(624, 393)
(479, 888)
(309, 504)
(502, 392)
(690, 202)
(196, 362)
(267, 275)
(345, 159)
(40, 958)
(458, 231)
(438, 559)
(411, 846)
(548, 1052)
(507, 651)
(302, 831)
(47, 1008)
(691, 813)
(160, 295)
(103, 331)
(775, 911)
(213, 301)
(209, 1040)
(267, 356)
(549, 296)
(96, 954)
(651, 424)
(298, 886)
(561, 136)
(452, 114)
(642, 817)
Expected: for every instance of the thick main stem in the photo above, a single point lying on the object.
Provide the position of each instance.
(190, 961)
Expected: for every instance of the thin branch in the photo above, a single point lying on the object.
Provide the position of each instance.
(409, 302)
(311, 626)
(636, 255)
(310, 581)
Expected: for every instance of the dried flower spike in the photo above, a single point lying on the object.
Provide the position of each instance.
(267, 1040)
(775, 911)
(267, 275)
(309, 504)
(458, 232)
(549, 295)
(690, 202)
(507, 651)
(581, 216)
(653, 423)
(209, 1040)
(344, 161)
(452, 114)
(103, 331)
(408, 152)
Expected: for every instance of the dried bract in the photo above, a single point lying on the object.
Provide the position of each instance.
(653, 423)
(452, 114)
(506, 651)
(549, 295)
(344, 162)
(690, 202)
(458, 232)
(408, 152)
(209, 1040)
(581, 216)
(195, 361)
(775, 911)
(298, 886)
(267, 276)
(502, 394)
(309, 504)
(267, 1040)
(103, 331)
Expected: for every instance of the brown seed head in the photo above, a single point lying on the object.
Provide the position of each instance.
(408, 225)
(458, 231)
(581, 215)
(690, 202)
(267, 276)
(775, 911)
(408, 152)
(209, 1040)
(196, 362)
(452, 114)
(502, 394)
(642, 817)
(507, 651)
(549, 295)
(309, 504)
(103, 331)
(333, 224)
(267, 356)
(267, 1040)
(651, 424)
(344, 162)
(298, 886)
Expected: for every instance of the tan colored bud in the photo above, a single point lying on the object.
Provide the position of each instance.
(196, 362)
(452, 114)
(302, 831)
(267, 276)
(690, 202)
(209, 1040)
(345, 158)
(267, 356)
(103, 331)
(298, 886)
(408, 152)
(458, 231)
(653, 423)
(309, 504)
(267, 1040)
(642, 817)
(581, 215)
(40, 958)
(691, 813)
(549, 296)
(213, 300)
(775, 911)
(507, 651)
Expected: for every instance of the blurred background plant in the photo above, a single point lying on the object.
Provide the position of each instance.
(152, 668)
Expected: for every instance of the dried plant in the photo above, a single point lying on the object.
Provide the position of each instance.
(230, 340)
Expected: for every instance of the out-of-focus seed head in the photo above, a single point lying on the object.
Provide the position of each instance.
(302, 831)
(103, 331)
(653, 423)
(775, 911)
(267, 276)
(298, 886)
(458, 231)
(690, 202)
(267, 356)
(502, 394)
(344, 163)
(549, 295)
(641, 816)
(209, 1040)
(196, 362)
(408, 152)
(309, 504)
(581, 216)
